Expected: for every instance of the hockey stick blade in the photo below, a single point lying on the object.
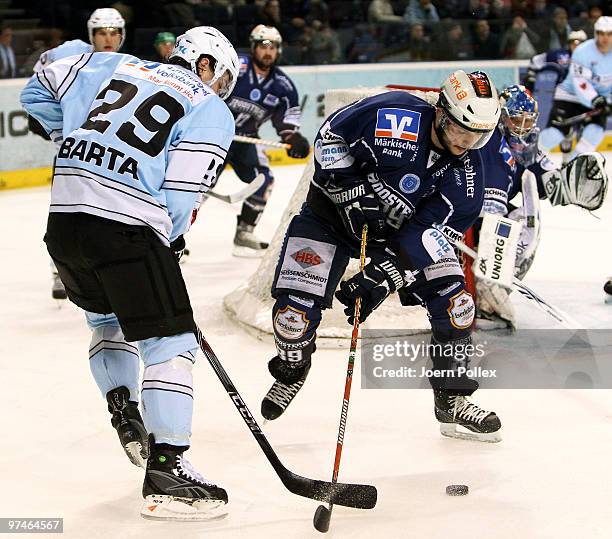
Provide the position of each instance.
(241, 195)
(348, 495)
(321, 519)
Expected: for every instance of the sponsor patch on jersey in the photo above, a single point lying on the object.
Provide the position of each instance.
(270, 100)
(398, 123)
(443, 268)
(244, 64)
(306, 265)
(332, 154)
(144, 66)
(451, 234)
(291, 323)
(461, 310)
(506, 153)
(436, 244)
(409, 183)
(255, 94)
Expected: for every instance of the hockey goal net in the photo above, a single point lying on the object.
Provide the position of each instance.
(250, 305)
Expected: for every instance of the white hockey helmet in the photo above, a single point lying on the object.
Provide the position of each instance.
(471, 102)
(208, 41)
(266, 34)
(577, 35)
(603, 24)
(106, 17)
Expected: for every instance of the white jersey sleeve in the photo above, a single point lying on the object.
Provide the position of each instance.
(196, 158)
(69, 48)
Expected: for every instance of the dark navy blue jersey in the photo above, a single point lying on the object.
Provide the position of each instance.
(255, 101)
(504, 171)
(385, 142)
(557, 60)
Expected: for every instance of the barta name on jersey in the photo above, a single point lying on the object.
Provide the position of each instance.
(100, 155)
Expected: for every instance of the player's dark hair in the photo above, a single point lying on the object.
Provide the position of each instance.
(176, 60)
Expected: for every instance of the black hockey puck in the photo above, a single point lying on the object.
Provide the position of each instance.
(457, 490)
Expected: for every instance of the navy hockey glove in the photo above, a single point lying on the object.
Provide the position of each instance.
(601, 103)
(178, 247)
(373, 285)
(299, 145)
(358, 206)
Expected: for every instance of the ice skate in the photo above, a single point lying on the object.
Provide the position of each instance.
(174, 490)
(129, 425)
(282, 391)
(58, 291)
(460, 418)
(247, 244)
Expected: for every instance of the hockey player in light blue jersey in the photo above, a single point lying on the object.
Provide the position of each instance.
(585, 90)
(141, 143)
(106, 29)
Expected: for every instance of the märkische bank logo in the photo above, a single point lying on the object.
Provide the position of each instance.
(398, 123)
(306, 258)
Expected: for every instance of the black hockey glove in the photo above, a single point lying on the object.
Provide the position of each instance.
(373, 285)
(601, 104)
(35, 127)
(358, 206)
(299, 145)
(178, 247)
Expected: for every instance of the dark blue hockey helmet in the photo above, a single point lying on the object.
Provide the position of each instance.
(519, 111)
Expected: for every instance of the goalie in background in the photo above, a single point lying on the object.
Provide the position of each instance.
(516, 165)
(263, 92)
(586, 89)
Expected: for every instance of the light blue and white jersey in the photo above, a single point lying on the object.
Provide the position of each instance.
(141, 140)
(590, 75)
(68, 48)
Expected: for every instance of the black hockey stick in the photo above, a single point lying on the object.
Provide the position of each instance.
(577, 119)
(349, 495)
(322, 516)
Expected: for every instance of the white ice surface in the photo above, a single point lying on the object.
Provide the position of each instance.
(550, 476)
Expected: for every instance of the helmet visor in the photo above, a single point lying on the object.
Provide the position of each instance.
(458, 136)
(224, 84)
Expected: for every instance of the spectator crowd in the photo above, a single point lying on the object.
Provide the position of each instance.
(314, 31)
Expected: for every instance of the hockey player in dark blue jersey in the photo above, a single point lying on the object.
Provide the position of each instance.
(263, 92)
(514, 165)
(413, 173)
(556, 60)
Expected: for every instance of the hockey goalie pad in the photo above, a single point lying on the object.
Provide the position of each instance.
(582, 182)
(494, 303)
(529, 217)
(497, 250)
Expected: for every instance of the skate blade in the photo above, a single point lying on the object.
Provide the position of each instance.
(133, 451)
(246, 252)
(163, 507)
(452, 430)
